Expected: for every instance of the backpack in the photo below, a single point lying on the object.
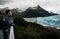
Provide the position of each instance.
(2, 24)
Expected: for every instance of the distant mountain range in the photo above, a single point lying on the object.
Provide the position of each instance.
(30, 12)
(36, 12)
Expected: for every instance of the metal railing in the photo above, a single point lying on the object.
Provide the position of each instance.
(11, 33)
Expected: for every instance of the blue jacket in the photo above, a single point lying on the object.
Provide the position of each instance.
(7, 20)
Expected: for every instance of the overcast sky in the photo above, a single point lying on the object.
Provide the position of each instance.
(49, 5)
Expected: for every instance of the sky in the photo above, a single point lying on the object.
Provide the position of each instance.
(49, 5)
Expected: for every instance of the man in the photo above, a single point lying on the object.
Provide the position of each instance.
(8, 21)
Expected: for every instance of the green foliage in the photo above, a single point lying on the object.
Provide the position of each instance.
(28, 30)
(1, 17)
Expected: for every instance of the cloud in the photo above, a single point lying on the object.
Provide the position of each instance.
(49, 5)
(21, 4)
(2, 2)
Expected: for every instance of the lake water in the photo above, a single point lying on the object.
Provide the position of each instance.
(53, 21)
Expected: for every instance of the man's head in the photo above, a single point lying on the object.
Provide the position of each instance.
(8, 12)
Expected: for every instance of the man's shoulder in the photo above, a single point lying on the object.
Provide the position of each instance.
(6, 17)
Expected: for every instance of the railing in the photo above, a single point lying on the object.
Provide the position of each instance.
(11, 33)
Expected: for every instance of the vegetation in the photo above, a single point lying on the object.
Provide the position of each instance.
(28, 30)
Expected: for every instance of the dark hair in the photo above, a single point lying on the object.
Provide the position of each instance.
(7, 11)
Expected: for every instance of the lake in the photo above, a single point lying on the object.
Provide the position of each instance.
(51, 21)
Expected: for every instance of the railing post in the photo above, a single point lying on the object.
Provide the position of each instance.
(11, 33)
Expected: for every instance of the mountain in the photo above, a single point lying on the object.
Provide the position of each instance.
(30, 12)
(36, 12)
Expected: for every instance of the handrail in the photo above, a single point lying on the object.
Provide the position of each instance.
(11, 33)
